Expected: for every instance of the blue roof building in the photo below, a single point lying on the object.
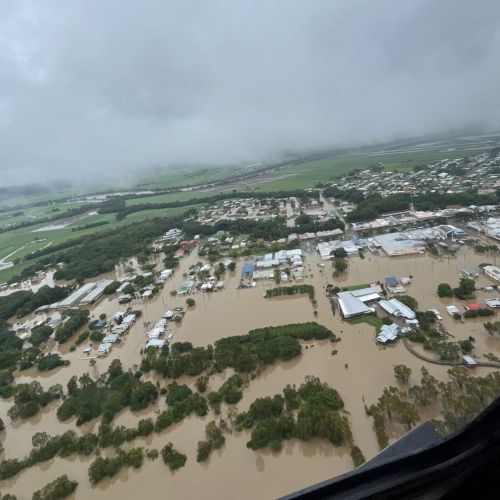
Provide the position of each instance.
(248, 269)
(391, 281)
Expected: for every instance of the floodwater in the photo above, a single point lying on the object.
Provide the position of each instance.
(359, 371)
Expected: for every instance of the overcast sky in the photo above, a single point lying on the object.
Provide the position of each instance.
(97, 86)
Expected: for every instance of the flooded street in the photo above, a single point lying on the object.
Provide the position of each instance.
(359, 371)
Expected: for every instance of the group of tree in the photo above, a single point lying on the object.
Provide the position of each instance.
(309, 412)
(375, 204)
(464, 291)
(102, 468)
(106, 396)
(243, 353)
(173, 458)
(459, 400)
(214, 439)
(50, 362)
(30, 397)
(60, 488)
(230, 392)
(77, 318)
(24, 302)
(493, 328)
(45, 448)
(290, 290)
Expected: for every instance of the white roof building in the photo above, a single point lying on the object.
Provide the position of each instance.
(451, 310)
(110, 339)
(492, 272)
(158, 343)
(129, 319)
(352, 306)
(104, 349)
(396, 308)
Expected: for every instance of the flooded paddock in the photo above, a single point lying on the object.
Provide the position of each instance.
(359, 371)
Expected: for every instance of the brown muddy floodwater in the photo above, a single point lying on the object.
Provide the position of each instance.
(359, 371)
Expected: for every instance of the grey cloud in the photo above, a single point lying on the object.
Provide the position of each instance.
(91, 87)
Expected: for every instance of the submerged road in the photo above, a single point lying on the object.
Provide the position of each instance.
(440, 362)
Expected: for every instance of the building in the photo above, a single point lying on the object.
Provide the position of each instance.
(493, 303)
(396, 308)
(96, 292)
(85, 295)
(352, 306)
(399, 244)
(388, 333)
(473, 306)
(469, 273)
(447, 231)
(452, 310)
(492, 272)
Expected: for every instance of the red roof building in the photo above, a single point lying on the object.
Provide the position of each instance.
(473, 306)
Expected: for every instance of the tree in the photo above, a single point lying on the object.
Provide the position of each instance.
(190, 302)
(444, 290)
(340, 253)
(340, 265)
(402, 373)
(409, 301)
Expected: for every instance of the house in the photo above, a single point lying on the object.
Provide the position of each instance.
(473, 306)
(248, 270)
(388, 333)
(391, 281)
(110, 339)
(158, 343)
(493, 303)
(128, 320)
(469, 273)
(98, 325)
(452, 310)
(103, 349)
(165, 274)
(492, 272)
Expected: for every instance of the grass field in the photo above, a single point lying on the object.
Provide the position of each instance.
(34, 213)
(375, 321)
(187, 176)
(165, 198)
